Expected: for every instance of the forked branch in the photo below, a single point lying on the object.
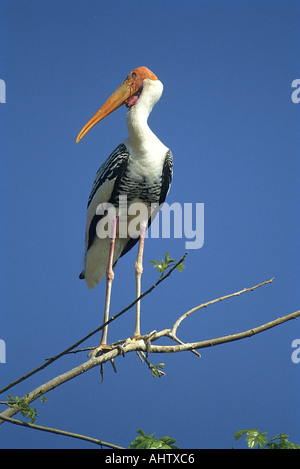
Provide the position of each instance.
(143, 345)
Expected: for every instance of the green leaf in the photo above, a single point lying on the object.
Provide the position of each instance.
(258, 439)
(255, 438)
(180, 267)
(149, 442)
(239, 434)
(155, 444)
(22, 405)
(163, 264)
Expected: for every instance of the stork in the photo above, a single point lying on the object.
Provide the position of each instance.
(141, 169)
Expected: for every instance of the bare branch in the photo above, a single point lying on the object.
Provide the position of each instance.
(225, 339)
(144, 345)
(225, 297)
(140, 345)
(62, 432)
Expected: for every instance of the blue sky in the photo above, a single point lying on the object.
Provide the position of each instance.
(227, 115)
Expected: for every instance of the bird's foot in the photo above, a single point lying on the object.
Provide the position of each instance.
(103, 348)
(120, 348)
(146, 338)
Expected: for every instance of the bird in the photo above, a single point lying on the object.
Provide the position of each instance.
(138, 171)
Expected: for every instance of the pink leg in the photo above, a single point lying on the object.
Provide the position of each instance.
(138, 275)
(109, 279)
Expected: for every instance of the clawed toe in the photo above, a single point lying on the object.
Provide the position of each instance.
(99, 350)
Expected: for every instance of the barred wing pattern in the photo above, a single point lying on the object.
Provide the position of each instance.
(110, 169)
(166, 179)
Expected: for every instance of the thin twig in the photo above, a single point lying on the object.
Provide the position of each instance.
(175, 338)
(225, 339)
(225, 297)
(61, 432)
(142, 356)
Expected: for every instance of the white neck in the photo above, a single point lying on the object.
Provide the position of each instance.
(140, 133)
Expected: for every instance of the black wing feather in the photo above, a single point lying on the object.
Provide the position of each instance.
(113, 167)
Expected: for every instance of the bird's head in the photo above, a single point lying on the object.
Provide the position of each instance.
(128, 93)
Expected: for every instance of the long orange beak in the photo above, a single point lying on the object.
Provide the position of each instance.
(121, 96)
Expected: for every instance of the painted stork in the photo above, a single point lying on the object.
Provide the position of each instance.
(141, 169)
